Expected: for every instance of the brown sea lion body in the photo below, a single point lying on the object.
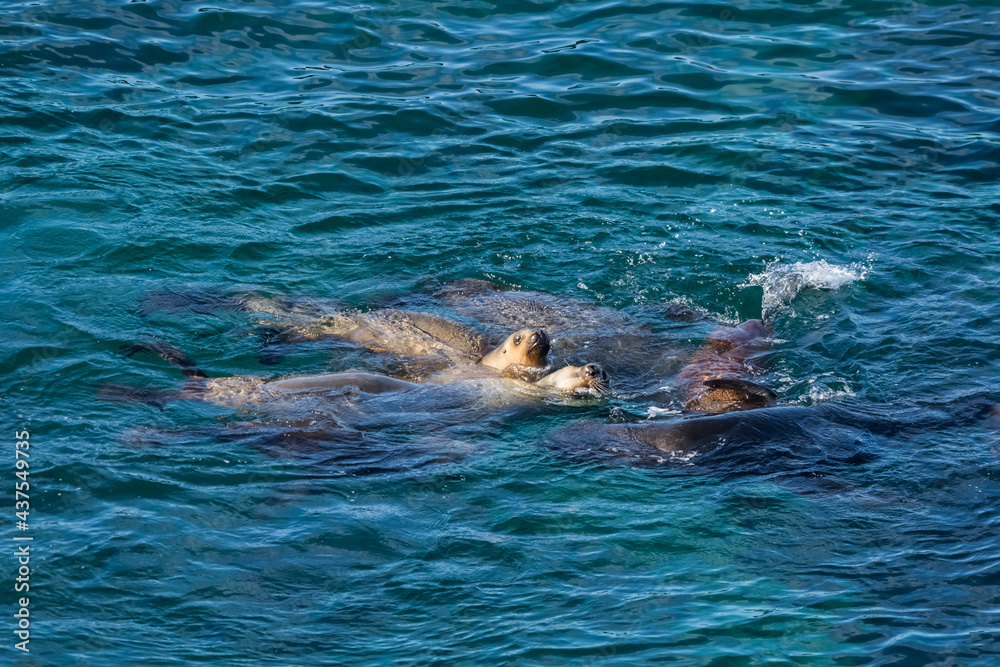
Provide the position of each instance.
(717, 379)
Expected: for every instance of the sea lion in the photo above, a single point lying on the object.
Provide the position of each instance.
(770, 432)
(420, 335)
(629, 344)
(492, 304)
(576, 378)
(525, 348)
(246, 392)
(398, 332)
(623, 344)
(716, 379)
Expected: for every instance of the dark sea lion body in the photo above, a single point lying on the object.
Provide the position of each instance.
(789, 440)
(494, 305)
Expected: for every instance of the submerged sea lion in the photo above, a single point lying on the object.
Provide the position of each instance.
(251, 392)
(493, 304)
(715, 380)
(790, 438)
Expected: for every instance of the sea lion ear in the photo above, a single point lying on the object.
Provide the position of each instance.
(750, 388)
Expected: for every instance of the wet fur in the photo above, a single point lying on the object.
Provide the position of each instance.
(251, 392)
(717, 379)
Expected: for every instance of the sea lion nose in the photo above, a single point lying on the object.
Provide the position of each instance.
(591, 370)
(538, 338)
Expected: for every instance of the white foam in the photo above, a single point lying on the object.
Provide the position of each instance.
(679, 457)
(781, 282)
(823, 394)
(656, 411)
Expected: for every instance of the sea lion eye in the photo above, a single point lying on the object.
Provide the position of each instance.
(517, 340)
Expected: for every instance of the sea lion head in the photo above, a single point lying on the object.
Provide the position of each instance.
(527, 347)
(575, 378)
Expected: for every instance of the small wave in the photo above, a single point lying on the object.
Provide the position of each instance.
(781, 282)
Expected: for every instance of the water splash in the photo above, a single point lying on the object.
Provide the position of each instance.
(825, 394)
(781, 282)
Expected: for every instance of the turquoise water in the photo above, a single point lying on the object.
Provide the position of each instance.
(643, 157)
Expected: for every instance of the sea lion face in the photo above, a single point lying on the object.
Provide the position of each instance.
(589, 377)
(527, 347)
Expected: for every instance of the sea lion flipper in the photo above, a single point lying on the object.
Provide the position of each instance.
(751, 388)
(166, 352)
(120, 393)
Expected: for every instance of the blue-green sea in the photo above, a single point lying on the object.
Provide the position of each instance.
(832, 166)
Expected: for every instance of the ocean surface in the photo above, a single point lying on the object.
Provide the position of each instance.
(656, 168)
